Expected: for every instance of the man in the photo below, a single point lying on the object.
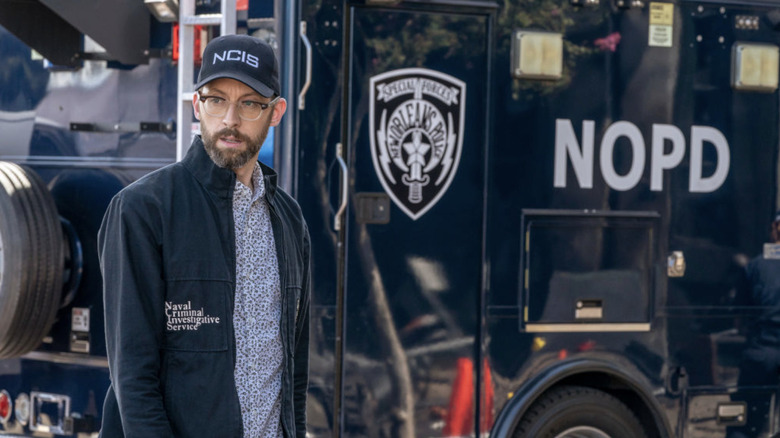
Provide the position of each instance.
(206, 274)
(760, 287)
(760, 363)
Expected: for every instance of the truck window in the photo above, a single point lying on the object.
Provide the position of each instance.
(583, 268)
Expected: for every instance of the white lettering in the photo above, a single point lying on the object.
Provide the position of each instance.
(566, 144)
(567, 149)
(237, 55)
(184, 317)
(631, 179)
(700, 134)
(660, 161)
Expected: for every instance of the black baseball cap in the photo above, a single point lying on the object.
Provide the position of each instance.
(243, 58)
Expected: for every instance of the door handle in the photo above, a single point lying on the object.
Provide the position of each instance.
(344, 190)
(302, 94)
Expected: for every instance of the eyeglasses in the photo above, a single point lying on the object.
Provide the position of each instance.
(248, 110)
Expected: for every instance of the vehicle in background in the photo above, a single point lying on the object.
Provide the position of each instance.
(528, 218)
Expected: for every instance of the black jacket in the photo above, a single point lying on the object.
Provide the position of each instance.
(167, 243)
(760, 288)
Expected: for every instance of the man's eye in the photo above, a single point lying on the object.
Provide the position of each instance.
(216, 100)
(250, 104)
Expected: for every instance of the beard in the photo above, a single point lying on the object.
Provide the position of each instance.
(232, 158)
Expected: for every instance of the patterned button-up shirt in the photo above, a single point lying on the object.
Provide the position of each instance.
(257, 314)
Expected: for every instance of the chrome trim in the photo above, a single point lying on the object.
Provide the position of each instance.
(68, 358)
(22, 401)
(63, 405)
(344, 188)
(594, 327)
(305, 88)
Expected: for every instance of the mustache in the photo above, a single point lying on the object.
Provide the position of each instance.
(227, 132)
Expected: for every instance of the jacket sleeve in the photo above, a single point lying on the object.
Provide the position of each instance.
(133, 295)
(301, 371)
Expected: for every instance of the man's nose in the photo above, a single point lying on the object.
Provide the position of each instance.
(231, 116)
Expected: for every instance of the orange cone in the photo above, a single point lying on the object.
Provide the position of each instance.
(459, 420)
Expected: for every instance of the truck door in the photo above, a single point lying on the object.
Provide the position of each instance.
(416, 144)
(413, 140)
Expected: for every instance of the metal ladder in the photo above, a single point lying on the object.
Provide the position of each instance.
(187, 22)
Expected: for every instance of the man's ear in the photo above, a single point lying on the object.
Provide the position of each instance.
(279, 109)
(195, 106)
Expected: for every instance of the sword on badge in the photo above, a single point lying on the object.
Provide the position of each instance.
(416, 161)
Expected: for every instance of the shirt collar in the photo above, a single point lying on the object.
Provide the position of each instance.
(258, 184)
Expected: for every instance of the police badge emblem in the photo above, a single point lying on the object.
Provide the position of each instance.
(416, 125)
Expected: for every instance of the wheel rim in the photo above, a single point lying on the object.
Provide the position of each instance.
(582, 432)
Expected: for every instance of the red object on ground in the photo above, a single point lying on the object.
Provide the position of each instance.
(459, 417)
(459, 420)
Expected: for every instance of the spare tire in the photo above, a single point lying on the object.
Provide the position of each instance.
(31, 260)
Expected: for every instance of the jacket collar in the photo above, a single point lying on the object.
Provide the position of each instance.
(270, 178)
(220, 180)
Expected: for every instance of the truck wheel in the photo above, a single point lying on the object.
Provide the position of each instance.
(31, 260)
(578, 412)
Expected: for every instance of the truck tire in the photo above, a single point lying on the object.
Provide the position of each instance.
(31, 260)
(578, 412)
